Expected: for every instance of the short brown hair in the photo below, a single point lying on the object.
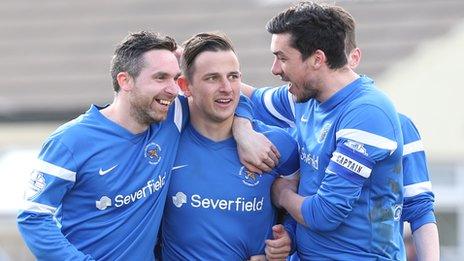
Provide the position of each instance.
(199, 43)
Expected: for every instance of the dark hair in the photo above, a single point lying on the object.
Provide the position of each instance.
(347, 18)
(128, 56)
(200, 43)
(313, 27)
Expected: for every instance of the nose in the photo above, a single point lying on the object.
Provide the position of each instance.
(276, 68)
(225, 86)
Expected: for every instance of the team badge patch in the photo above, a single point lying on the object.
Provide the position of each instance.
(323, 133)
(249, 178)
(35, 186)
(153, 153)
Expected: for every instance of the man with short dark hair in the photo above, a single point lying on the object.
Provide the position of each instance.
(349, 200)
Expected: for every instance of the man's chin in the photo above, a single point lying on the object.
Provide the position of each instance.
(158, 118)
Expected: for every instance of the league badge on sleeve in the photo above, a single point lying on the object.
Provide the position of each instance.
(35, 185)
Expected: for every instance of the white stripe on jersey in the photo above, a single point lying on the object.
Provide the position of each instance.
(54, 170)
(38, 208)
(417, 188)
(367, 138)
(291, 100)
(178, 113)
(267, 97)
(412, 147)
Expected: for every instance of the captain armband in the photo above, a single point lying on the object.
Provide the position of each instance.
(351, 161)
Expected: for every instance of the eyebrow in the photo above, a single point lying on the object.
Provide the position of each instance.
(164, 74)
(210, 74)
(278, 53)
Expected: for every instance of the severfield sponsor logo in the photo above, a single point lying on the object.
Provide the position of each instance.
(239, 204)
(308, 158)
(152, 186)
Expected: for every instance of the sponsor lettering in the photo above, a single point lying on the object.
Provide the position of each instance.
(308, 158)
(120, 200)
(151, 187)
(239, 204)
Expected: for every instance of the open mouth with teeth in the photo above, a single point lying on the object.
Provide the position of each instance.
(163, 102)
(223, 101)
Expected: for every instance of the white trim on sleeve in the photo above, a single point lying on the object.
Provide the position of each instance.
(412, 147)
(267, 98)
(38, 208)
(54, 170)
(417, 188)
(367, 138)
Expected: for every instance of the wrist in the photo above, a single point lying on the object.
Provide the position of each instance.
(241, 126)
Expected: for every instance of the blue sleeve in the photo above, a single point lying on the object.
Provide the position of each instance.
(244, 108)
(289, 224)
(341, 187)
(53, 176)
(365, 136)
(274, 106)
(418, 207)
(289, 163)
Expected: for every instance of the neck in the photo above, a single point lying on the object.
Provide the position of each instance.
(119, 112)
(213, 130)
(334, 81)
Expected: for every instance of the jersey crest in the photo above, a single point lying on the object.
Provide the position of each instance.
(323, 132)
(249, 178)
(153, 153)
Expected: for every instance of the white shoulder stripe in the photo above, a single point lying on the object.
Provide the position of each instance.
(178, 113)
(54, 170)
(291, 100)
(412, 147)
(267, 97)
(38, 208)
(416, 189)
(367, 138)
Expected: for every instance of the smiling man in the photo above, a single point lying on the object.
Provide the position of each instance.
(104, 175)
(217, 209)
(350, 195)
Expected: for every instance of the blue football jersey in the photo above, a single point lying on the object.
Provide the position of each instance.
(351, 173)
(98, 191)
(418, 196)
(217, 209)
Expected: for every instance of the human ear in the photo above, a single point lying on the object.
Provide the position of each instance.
(184, 85)
(125, 81)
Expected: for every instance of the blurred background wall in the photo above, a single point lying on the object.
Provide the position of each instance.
(55, 55)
